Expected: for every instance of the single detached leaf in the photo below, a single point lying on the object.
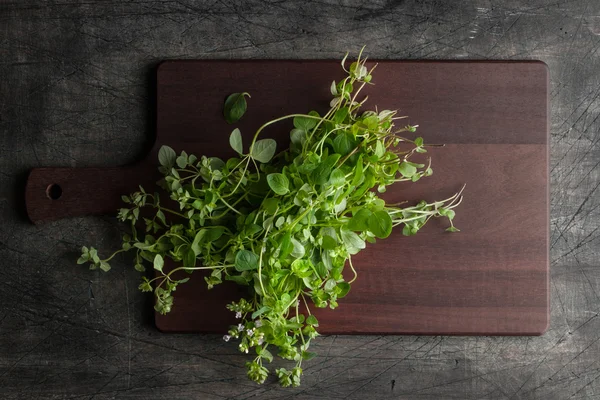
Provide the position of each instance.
(278, 183)
(235, 141)
(263, 150)
(246, 260)
(235, 107)
(167, 157)
(158, 262)
(380, 224)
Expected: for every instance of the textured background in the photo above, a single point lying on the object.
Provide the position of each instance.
(75, 91)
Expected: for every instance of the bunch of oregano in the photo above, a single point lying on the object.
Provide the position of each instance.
(284, 225)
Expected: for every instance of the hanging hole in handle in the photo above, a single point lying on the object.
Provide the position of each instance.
(54, 191)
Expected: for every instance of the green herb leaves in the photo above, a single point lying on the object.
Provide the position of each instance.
(380, 224)
(286, 225)
(235, 107)
(246, 260)
(235, 141)
(167, 157)
(278, 183)
(263, 150)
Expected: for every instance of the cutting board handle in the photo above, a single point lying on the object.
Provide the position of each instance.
(55, 193)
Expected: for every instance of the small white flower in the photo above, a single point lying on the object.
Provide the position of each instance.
(250, 332)
(246, 351)
(238, 315)
(260, 340)
(258, 323)
(226, 338)
(240, 327)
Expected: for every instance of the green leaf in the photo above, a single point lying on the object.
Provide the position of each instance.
(263, 150)
(266, 354)
(360, 220)
(371, 122)
(306, 123)
(167, 157)
(82, 260)
(235, 107)
(352, 241)
(198, 240)
(452, 229)
(278, 183)
(214, 233)
(337, 178)
(161, 217)
(246, 260)
(407, 170)
(298, 136)
(419, 141)
(329, 236)
(344, 289)
(159, 262)
(239, 279)
(298, 249)
(285, 246)
(379, 149)
(312, 320)
(189, 257)
(446, 212)
(322, 172)
(181, 161)
(380, 224)
(307, 355)
(270, 205)
(235, 141)
(344, 143)
(260, 311)
(340, 115)
(104, 266)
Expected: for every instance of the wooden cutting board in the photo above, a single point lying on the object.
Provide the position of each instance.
(489, 279)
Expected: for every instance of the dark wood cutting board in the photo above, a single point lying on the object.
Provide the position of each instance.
(491, 278)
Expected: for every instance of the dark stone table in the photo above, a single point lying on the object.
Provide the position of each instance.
(75, 91)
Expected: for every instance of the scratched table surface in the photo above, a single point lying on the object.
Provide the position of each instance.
(76, 90)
